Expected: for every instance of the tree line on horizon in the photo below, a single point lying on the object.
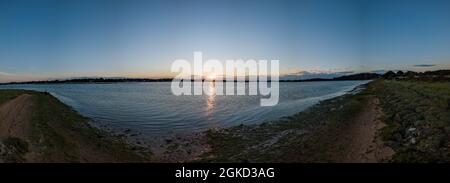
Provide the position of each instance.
(399, 75)
(439, 75)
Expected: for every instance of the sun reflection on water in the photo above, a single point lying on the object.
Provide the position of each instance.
(210, 103)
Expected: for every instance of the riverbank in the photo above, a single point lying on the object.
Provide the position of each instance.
(36, 127)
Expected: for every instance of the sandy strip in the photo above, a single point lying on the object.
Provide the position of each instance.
(365, 145)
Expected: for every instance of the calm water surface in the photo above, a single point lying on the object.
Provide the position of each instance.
(152, 109)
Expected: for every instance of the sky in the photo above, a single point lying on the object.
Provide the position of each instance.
(45, 39)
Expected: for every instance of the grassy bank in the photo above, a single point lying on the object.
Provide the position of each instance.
(417, 115)
(46, 130)
(6, 95)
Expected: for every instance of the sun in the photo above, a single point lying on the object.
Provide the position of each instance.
(211, 76)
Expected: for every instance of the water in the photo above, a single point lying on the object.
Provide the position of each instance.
(151, 108)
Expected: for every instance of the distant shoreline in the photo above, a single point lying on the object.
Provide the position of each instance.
(442, 75)
(353, 77)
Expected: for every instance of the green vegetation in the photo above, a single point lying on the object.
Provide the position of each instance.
(417, 115)
(9, 94)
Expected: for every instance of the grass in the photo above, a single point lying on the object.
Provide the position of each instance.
(9, 94)
(417, 114)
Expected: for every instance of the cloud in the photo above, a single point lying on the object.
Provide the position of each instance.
(6, 77)
(381, 71)
(345, 72)
(5, 74)
(314, 74)
(424, 65)
(300, 73)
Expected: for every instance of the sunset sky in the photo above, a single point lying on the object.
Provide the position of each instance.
(86, 38)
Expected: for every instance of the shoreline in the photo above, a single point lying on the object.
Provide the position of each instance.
(99, 80)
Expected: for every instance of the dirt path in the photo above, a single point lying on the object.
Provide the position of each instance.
(14, 116)
(15, 121)
(364, 143)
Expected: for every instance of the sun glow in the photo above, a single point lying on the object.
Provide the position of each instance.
(211, 76)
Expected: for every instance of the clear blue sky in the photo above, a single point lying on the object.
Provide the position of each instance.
(56, 39)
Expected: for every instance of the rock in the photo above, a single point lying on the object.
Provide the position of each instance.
(413, 140)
